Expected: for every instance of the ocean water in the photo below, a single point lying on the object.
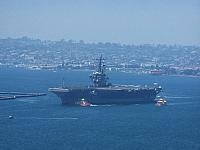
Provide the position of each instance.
(42, 123)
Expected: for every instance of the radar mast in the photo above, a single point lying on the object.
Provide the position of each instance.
(99, 78)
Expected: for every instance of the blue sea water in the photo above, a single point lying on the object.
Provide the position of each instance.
(42, 123)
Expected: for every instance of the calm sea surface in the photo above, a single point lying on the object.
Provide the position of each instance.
(42, 123)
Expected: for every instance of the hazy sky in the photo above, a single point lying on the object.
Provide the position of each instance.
(124, 21)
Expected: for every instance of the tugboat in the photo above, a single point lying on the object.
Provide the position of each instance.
(83, 103)
(102, 93)
(160, 101)
(10, 117)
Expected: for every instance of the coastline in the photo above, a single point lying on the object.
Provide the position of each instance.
(117, 70)
(174, 75)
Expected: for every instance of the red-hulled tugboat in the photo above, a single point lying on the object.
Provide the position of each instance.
(160, 101)
(83, 102)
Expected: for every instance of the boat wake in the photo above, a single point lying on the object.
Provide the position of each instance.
(137, 104)
(182, 97)
(184, 103)
(44, 118)
(100, 105)
(28, 101)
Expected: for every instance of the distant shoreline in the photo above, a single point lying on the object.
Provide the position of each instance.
(191, 76)
(138, 73)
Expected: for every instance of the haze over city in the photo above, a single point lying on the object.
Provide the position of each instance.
(129, 21)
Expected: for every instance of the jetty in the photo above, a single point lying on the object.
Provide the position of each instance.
(15, 95)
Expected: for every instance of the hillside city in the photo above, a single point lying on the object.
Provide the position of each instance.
(155, 59)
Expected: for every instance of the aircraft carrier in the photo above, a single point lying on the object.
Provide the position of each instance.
(101, 92)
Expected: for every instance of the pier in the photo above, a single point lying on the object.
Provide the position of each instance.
(15, 95)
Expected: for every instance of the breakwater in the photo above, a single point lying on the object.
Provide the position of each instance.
(15, 95)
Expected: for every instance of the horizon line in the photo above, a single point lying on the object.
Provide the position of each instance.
(97, 42)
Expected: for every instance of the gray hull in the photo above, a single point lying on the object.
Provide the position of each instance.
(108, 95)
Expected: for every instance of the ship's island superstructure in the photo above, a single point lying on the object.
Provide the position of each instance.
(101, 92)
